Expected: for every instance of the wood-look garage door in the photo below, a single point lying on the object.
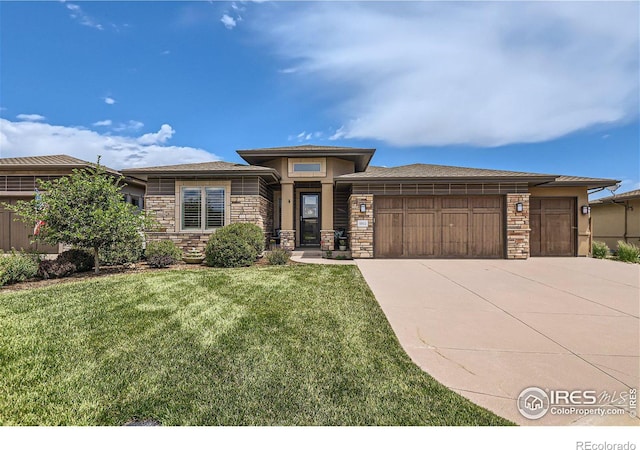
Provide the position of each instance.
(15, 234)
(438, 227)
(553, 226)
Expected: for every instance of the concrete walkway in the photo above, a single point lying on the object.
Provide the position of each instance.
(315, 257)
(490, 328)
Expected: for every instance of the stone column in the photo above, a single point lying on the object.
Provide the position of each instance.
(326, 227)
(518, 230)
(361, 226)
(288, 230)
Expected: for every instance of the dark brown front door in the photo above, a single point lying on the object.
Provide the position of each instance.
(553, 226)
(309, 219)
(439, 227)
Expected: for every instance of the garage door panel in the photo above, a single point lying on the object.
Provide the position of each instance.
(455, 234)
(486, 226)
(388, 236)
(420, 203)
(420, 235)
(535, 236)
(383, 203)
(486, 203)
(455, 203)
(558, 234)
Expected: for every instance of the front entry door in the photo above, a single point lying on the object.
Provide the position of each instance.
(309, 219)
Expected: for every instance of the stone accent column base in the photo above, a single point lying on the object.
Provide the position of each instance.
(327, 240)
(361, 226)
(518, 227)
(288, 239)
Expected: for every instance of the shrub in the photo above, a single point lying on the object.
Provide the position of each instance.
(127, 251)
(235, 245)
(56, 269)
(81, 259)
(17, 267)
(278, 257)
(600, 250)
(162, 253)
(628, 252)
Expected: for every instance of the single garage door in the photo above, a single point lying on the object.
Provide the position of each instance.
(553, 226)
(439, 227)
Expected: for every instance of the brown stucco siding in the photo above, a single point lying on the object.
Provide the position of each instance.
(608, 222)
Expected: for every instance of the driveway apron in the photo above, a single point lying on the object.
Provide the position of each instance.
(488, 329)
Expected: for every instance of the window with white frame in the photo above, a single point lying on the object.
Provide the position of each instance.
(202, 207)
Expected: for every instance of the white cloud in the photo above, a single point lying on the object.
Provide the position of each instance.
(109, 100)
(37, 138)
(162, 136)
(166, 52)
(30, 117)
(478, 73)
(228, 21)
(76, 12)
(102, 123)
(131, 125)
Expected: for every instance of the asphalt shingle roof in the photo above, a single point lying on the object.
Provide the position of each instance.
(213, 166)
(629, 195)
(437, 171)
(47, 161)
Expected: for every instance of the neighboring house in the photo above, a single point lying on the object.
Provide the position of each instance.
(303, 194)
(617, 218)
(18, 181)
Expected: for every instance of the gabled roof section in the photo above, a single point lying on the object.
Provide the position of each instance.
(211, 168)
(630, 195)
(360, 156)
(39, 163)
(433, 172)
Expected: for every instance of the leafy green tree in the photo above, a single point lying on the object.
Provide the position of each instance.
(85, 209)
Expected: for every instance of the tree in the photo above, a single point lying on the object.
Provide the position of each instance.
(85, 209)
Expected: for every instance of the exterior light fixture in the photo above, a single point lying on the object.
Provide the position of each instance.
(363, 207)
(586, 209)
(519, 207)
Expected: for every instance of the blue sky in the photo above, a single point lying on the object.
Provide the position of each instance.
(550, 87)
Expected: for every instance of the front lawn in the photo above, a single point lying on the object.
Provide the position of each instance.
(295, 345)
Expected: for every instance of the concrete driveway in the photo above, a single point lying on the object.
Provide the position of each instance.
(490, 328)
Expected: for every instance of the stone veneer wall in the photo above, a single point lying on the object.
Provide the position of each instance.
(327, 240)
(288, 239)
(361, 238)
(244, 208)
(252, 209)
(518, 230)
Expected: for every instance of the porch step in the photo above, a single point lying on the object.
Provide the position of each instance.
(307, 253)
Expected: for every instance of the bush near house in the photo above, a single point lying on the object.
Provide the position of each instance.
(234, 245)
(17, 267)
(67, 263)
(278, 257)
(600, 250)
(127, 251)
(628, 252)
(162, 253)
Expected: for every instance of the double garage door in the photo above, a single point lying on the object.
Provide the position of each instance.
(468, 227)
(439, 227)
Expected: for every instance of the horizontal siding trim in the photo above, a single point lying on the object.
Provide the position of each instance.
(439, 189)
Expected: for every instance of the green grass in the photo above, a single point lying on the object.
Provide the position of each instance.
(294, 345)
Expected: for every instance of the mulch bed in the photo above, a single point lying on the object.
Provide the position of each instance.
(110, 271)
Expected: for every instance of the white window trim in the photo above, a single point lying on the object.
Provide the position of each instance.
(320, 174)
(225, 184)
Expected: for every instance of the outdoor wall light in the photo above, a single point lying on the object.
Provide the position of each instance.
(519, 207)
(586, 209)
(363, 207)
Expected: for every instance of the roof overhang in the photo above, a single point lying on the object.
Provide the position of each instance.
(443, 180)
(360, 156)
(270, 175)
(589, 184)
